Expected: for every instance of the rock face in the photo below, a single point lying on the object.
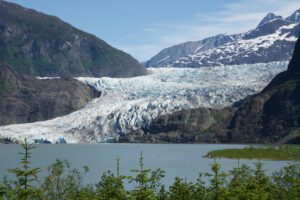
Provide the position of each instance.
(274, 114)
(25, 99)
(42, 45)
(272, 40)
(271, 116)
(295, 17)
(186, 126)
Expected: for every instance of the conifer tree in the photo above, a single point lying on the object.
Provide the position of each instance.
(111, 187)
(217, 182)
(148, 181)
(2, 191)
(25, 175)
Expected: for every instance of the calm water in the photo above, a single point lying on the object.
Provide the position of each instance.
(183, 160)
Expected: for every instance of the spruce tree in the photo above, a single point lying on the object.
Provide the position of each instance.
(148, 181)
(111, 187)
(25, 175)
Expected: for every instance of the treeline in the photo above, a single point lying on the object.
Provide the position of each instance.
(62, 182)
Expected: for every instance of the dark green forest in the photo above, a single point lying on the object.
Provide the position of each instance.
(63, 182)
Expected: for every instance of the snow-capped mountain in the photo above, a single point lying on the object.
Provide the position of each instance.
(272, 40)
(269, 17)
(176, 52)
(295, 17)
(129, 104)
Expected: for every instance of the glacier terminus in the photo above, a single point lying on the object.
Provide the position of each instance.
(127, 104)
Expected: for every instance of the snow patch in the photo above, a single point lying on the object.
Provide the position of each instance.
(238, 49)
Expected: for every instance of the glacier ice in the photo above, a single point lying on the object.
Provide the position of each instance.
(127, 104)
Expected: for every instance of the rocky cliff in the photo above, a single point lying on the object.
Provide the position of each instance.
(186, 126)
(42, 45)
(274, 114)
(25, 99)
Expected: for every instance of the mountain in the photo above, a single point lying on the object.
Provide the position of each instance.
(25, 99)
(271, 116)
(272, 40)
(295, 17)
(268, 18)
(178, 51)
(41, 45)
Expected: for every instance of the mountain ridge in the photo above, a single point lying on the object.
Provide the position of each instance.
(37, 44)
(269, 17)
(244, 48)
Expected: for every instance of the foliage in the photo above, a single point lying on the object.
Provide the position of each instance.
(62, 182)
(111, 187)
(217, 182)
(2, 191)
(25, 175)
(269, 153)
(148, 181)
(287, 183)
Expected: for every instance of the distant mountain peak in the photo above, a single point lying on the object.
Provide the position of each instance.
(295, 17)
(273, 40)
(269, 17)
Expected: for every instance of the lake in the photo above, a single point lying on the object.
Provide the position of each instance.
(183, 160)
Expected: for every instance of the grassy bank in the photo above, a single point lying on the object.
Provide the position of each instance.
(262, 153)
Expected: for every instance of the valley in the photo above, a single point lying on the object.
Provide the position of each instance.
(149, 100)
(63, 85)
(127, 105)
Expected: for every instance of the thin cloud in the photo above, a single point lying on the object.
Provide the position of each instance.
(150, 29)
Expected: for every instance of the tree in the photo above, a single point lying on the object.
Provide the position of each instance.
(240, 178)
(111, 187)
(2, 191)
(163, 194)
(262, 182)
(217, 182)
(62, 182)
(148, 181)
(180, 190)
(287, 183)
(25, 175)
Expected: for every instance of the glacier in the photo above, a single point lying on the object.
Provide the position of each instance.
(127, 104)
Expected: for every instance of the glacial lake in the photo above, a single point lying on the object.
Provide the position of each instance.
(182, 160)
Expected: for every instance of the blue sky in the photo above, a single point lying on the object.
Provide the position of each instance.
(144, 27)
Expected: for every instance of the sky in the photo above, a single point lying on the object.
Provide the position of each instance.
(142, 28)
